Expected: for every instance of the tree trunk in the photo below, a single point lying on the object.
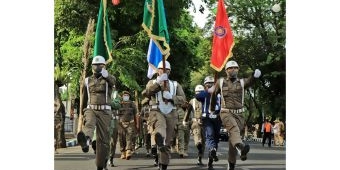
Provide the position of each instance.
(86, 51)
(61, 141)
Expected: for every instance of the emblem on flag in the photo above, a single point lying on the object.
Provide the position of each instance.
(220, 31)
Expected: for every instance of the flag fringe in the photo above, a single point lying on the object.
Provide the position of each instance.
(225, 60)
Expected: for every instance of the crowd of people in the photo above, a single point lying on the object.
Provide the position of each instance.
(166, 118)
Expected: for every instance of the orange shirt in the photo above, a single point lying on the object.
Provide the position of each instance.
(267, 127)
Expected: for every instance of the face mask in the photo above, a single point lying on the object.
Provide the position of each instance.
(233, 74)
(126, 98)
(97, 75)
(96, 68)
(208, 85)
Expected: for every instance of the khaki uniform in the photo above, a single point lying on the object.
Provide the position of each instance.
(278, 137)
(97, 114)
(146, 133)
(163, 116)
(127, 128)
(183, 134)
(197, 127)
(232, 109)
(113, 133)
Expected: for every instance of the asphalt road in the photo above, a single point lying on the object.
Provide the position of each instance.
(259, 158)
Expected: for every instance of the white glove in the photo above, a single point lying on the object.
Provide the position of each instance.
(104, 73)
(211, 89)
(185, 123)
(257, 73)
(162, 78)
(167, 95)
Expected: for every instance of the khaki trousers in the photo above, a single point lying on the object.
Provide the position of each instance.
(126, 136)
(99, 120)
(165, 125)
(278, 139)
(113, 137)
(234, 123)
(198, 132)
(183, 136)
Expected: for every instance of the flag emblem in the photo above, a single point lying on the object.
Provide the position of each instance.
(220, 32)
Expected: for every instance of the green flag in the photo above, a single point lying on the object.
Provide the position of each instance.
(154, 23)
(103, 42)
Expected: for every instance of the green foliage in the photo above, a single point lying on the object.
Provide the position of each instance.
(60, 76)
(64, 96)
(259, 43)
(260, 35)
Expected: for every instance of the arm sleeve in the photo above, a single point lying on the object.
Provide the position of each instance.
(188, 112)
(85, 97)
(152, 88)
(111, 80)
(249, 81)
(179, 98)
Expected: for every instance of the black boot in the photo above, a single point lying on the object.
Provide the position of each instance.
(243, 149)
(84, 141)
(105, 167)
(154, 155)
(210, 163)
(160, 142)
(199, 160)
(200, 148)
(155, 163)
(231, 166)
(213, 154)
(163, 167)
(94, 146)
(111, 162)
(99, 168)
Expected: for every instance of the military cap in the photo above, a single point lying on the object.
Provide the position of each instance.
(126, 92)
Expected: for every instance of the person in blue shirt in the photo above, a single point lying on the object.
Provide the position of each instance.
(211, 121)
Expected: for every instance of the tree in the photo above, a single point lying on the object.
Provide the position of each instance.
(259, 35)
(260, 39)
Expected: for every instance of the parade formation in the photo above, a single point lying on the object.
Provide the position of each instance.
(165, 118)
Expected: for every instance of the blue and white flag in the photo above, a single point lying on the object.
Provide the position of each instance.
(154, 56)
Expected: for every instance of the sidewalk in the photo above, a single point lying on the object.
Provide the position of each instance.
(260, 140)
(71, 142)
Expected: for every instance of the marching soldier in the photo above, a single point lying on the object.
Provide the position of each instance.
(183, 134)
(127, 126)
(231, 90)
(211, 120)
(145, 115)
(115, 105)
(98, 111)
(165, 95)
(195, 108)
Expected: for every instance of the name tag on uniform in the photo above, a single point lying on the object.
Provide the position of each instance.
(212, 116)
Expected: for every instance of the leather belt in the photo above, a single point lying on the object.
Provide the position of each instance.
(128, 121)
(156, 107)
(234, 110)
(115, 117)
(194, 119)
(99, 107)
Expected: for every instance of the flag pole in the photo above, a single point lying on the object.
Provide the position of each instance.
(165, 83)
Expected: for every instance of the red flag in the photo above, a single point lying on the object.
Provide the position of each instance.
(115, 2)
(223, 41)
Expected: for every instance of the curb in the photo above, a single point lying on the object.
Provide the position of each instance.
(260, 140)
(71, 142)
